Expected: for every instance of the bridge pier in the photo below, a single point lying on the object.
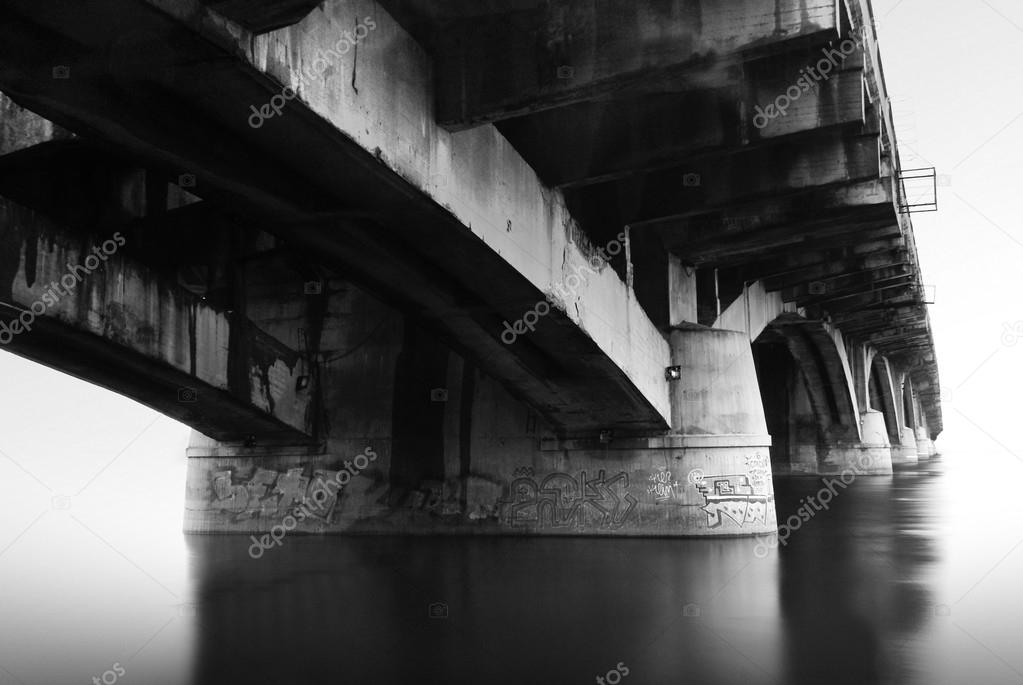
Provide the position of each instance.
(906, 451)
(871, 455)
(924, 445)
(439, 447)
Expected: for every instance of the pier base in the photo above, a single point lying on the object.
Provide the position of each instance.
(493, 468)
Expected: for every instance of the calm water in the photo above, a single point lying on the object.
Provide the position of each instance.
(910, 579)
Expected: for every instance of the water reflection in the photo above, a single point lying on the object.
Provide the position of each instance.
(838, 603)
(517, 610)
(909, 579)
(850, 585)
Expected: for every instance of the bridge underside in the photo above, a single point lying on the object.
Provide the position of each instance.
(460, 267)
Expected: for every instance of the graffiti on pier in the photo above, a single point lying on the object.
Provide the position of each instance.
(435, 497)
(758, 467)
(562, 501)
(733, 497)
(662, 487)
(273, 494)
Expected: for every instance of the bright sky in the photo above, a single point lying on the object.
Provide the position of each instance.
(950, 71)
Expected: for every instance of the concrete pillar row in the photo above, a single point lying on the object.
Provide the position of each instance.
(833, 454)
(906, 451)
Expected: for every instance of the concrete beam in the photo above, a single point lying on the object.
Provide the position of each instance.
(824, 290)
(729, 179)
(822, 218)
(882, 297)
(260, 16)
(563, 52)
(607, 140)
(466, 237)
(777, 242)
(120, 325)
(21, 129)
(823, 268)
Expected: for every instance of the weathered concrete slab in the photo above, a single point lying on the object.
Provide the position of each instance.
(77, 305)
(464, 233)
(504, 65)
(611, 139)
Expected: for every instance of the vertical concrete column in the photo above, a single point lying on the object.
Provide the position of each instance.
(804, 429)
(719, 424)
(871, 452)
(682, 292)
(859, 362)
(924, 445)
(871, 455)
(905, 452)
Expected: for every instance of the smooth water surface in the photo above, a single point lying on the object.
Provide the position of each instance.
(908, 579)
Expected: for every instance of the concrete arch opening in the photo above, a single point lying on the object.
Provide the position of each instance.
(881, 395)
(812, 414)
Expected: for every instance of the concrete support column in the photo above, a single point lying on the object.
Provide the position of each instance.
(718, 422)
(682, 305)
(906, 451)
(804, 430)
(868, 455)
(924, 444)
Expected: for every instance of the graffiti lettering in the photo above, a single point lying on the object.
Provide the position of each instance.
(269, 493)
(732, 497)
(662, 487)
(561, 501)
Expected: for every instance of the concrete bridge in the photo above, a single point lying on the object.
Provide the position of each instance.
(470, 266)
